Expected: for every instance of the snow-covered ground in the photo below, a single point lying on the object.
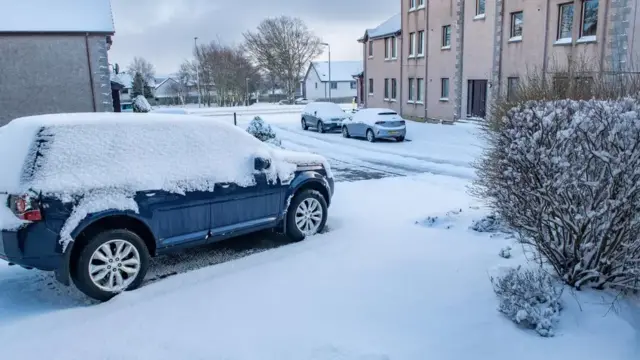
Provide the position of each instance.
(379, 284)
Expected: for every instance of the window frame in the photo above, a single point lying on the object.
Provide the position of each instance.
(386, 49)
(420, 90)
(443, 96)
(331, 85)
(394, 89)
(370, 90)
(561, 7)
(512, 30)
(386, 89)
(412, 4)
(412, 44)
(394, 47)
(421, 43)
(582, 17)
(484, 7)
(513, 82)
(446, 37)
(410, 93)
(370, 50)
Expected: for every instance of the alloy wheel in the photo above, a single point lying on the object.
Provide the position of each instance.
(309, 216)
(114, 265)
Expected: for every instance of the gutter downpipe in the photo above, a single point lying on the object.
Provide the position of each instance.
(545, 52)
(93, 90)
(401, 83)
(426, 60)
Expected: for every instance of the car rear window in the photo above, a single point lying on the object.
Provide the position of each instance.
(387, 113)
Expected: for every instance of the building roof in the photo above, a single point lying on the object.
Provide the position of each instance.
(59, 16)
(392, 26)
(340, 70)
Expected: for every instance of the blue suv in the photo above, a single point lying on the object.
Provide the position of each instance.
(93, 196)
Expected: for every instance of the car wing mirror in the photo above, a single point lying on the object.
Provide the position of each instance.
(315, 113)
(261, 163)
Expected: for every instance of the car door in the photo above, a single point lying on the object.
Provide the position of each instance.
(177, 219)
(358, 125)
(241, 209)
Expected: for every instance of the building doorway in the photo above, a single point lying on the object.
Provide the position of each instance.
(477, 99)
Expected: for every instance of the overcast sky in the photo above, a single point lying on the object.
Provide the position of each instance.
(162, 31)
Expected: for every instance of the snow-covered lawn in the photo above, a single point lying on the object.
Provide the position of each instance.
(381, 284)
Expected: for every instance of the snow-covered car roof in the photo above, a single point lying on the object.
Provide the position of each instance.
(324, 108)
(64, 154)
(378, 111)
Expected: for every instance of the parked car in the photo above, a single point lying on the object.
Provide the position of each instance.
(284, 102)
(126, 107)
(323, 116)
(93, 196)
(171, 110)
(301, 101)
(374, 124)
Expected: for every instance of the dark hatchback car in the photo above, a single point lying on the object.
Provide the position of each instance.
(323, 116)
(94, 196)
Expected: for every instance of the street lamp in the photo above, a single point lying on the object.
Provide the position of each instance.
(247, 100)
(195, 43)
(329, 47)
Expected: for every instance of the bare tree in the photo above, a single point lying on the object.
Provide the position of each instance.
(144, 67)
(283, 47)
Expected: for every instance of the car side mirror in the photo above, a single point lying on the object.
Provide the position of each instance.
(261, 163)
(315, 113)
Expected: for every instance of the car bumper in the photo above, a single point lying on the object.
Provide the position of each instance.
(27, 249)
(328, 126)
(390, 133)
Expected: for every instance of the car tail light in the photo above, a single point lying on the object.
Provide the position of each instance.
(25, 207)
(379, 122)
(402, 122)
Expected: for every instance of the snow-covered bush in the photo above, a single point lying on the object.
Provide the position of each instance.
(140, 104)
(263, 131)
(490, 224)
(565, 176)
(505, 252)
(530, 298)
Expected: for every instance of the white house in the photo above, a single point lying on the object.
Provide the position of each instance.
(342, 82)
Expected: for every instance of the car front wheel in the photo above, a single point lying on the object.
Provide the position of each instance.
(370, 136)
(307, 215)
(304, 124)
(320, 127)
(345, 132)
(110, 263)
(400, 138)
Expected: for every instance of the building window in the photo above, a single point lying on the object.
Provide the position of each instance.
(411, 81)
(516, 24)
(412, 44)
(386, 48)
(420, 90)
(125, 91)
(353, 85)
(394, 89)
(421, 43)
(444, 88)
(480, 5)
(565, 21)
(370, 48)
(394, 48)
(334, 85)
(589, 18)
(412, 4)
(420, 3)
(371, 86)
(446, 36)
(513, 84)
(561, 86)
(316, 85)
(386, 89)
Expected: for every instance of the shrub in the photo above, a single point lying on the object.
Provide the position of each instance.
(529, 298)
(140, 104)
(565, 176)
(505, 252)
(489, 224)
(263, 131)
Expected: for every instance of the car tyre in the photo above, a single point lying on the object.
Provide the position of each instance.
(81, 273)
(304, 124)
(370, 136)
(345, 132)
(320, 127)
(400, 139)
(296, 208)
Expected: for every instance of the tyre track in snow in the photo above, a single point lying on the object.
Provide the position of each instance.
(374, 160)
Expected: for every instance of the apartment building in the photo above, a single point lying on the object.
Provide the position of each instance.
(382, 72)
(458, 55)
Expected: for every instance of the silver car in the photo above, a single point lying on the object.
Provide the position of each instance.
(375, 123)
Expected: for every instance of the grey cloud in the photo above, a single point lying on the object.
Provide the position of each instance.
(162, 30)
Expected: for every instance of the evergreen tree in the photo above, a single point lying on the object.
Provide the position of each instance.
(138, 87)
(147, 90)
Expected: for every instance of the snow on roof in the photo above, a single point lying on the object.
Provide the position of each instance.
(126, 79)
(56, 16)
(340, 70)
(389, 27)
(67, 154)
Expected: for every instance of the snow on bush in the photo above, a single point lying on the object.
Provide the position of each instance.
(565, 176)
(490, 224)
(505, 252)
(140, 104)
(445, 222)
(530, 298)
(263, 131)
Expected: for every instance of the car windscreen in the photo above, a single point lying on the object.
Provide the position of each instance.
(387, 113)
(329, 109)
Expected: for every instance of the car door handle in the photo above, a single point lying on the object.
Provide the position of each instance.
(226, 185)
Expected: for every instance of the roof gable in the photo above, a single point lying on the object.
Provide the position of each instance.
(59, 16)
(392, 26)
(340, 70)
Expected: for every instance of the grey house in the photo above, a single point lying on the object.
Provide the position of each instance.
(53, 57)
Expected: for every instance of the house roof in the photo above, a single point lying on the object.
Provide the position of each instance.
(392, 26)
(340, 70)
(59, 16)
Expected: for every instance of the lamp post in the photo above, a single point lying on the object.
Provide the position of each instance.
(195, 43)
(329, 47)
(247, 99)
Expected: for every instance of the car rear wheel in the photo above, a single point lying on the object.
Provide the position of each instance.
(110, 263)
(370, 136)
(320, 126)
(304, 124)
(307, 215)
(345, 132)
(400, 138)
